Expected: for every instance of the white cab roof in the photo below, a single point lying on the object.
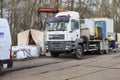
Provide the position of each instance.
(68, 13)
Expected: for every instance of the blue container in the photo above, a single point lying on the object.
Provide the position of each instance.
(102, 24)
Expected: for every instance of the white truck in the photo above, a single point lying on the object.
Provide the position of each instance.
(63, 33)
(5, 45)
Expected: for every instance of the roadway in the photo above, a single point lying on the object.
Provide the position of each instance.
(91, 67)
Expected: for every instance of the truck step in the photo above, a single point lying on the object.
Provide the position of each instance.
(92, 45)
(92, 50)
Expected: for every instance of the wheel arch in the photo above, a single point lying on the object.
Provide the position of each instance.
(79, 41)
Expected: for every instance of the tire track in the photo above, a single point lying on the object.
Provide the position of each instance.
(44, 72)
(102, 69)
(52, 63)
(33, 66)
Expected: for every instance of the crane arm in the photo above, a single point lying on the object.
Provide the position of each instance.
(50, 10)
(46, 10)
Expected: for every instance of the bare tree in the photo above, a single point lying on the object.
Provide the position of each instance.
(22, 14)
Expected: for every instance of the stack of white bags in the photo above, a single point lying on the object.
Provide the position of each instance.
(22, 52)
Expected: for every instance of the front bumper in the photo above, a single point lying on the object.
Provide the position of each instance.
(60, 46)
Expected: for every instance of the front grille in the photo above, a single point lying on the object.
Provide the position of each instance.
(56, 36)
(57, 42)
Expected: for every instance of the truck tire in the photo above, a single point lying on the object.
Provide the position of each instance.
(53, 54)
(79, 52)
(101, 52)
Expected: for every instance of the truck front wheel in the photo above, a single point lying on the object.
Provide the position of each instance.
(79, 51)
(53, 54)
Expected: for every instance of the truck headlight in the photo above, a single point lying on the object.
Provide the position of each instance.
(46, 45)
(68, 47)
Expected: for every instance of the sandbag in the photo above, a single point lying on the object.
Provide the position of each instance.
(21, 55)
(20, 52)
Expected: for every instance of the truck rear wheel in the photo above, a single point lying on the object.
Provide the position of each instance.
(53, 54)
(101, 52)
(79, 52)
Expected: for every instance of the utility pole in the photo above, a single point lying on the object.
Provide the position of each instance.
(1, 2)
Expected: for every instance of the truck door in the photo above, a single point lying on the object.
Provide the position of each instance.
(75, 29)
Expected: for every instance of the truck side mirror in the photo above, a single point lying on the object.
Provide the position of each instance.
(45, 23)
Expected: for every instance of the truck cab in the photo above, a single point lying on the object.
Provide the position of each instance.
(5, 45)
(62, 33)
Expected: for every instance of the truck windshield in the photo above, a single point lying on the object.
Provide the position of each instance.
(56, 26)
